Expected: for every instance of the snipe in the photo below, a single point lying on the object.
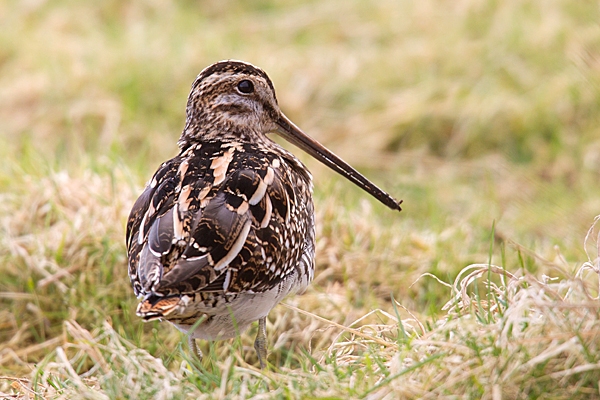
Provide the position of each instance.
(225, 230)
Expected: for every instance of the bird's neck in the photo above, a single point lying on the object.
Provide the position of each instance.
(220, 130)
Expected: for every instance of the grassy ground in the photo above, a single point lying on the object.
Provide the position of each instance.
(481, 115)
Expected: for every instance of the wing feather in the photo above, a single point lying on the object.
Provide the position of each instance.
(210, 231)
(160, 237)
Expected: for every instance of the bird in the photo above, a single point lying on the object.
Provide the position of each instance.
(226, 229)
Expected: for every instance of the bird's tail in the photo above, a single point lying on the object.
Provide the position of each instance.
(155, 307)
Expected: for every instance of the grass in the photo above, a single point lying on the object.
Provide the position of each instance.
(481, 115)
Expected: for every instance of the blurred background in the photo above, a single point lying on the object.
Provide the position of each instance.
(482, 115)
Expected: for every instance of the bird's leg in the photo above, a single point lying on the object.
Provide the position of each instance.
(196, 352)
(260, 344)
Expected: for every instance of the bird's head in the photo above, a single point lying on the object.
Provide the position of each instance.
(231, 98)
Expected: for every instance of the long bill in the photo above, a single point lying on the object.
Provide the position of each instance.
(290, 132)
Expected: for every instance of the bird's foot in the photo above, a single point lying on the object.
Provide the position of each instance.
(194, 350)
(260, 344)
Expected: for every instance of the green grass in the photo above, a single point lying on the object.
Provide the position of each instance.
(481, 115)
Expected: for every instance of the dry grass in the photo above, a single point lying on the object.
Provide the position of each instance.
(518, 338)
(504, 333)
(481, 115)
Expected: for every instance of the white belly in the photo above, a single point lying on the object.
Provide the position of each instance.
(236, 316)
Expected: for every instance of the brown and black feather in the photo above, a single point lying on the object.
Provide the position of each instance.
(194, 229)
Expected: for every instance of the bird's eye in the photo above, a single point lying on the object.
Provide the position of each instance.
(245, 86)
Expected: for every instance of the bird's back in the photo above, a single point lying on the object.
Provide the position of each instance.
(219, 220)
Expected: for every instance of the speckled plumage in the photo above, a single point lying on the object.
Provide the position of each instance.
(225, 230)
